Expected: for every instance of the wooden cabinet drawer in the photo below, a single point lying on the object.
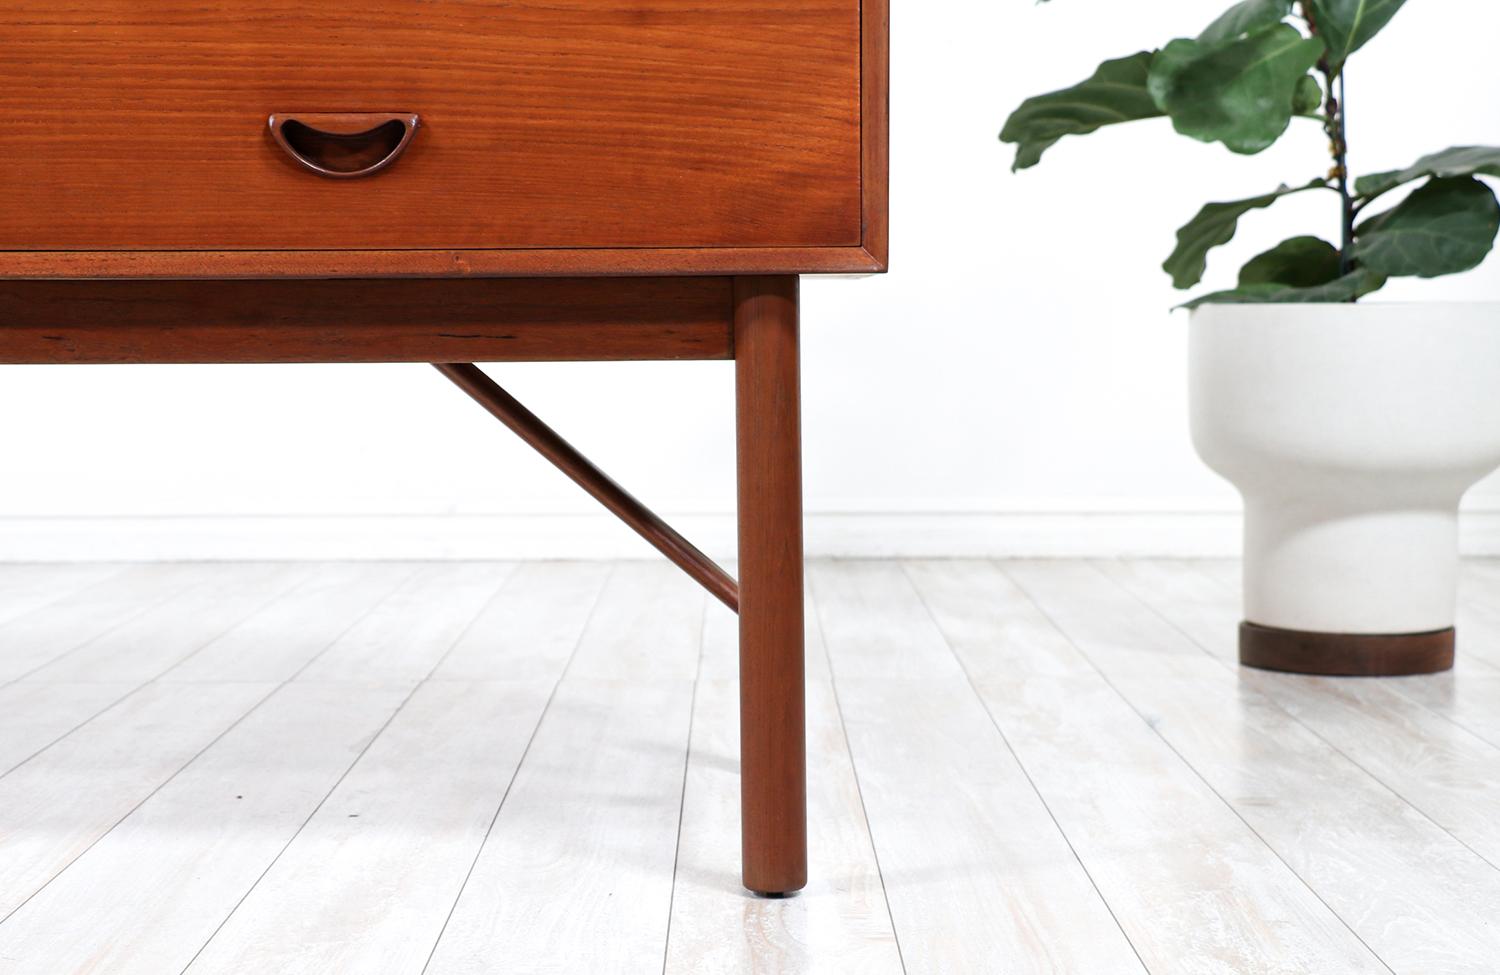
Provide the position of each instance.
(575, 136)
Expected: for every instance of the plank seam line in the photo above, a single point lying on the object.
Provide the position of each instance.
(71, 592)
(687, 762)
(859, 788)
(118, 624)
(296, 587)
(149, 681)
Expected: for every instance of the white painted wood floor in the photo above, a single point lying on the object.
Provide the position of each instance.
(1041, 767)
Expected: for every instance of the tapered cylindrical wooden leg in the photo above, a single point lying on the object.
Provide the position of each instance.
(773, 748)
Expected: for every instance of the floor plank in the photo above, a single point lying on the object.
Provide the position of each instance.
(413, 628)
(1227, 572)
(38, 638)
(58, 804)
(648, 624)
(1447, 772)
(1443, 769)
(1421, 900)
(25, 587)
(146, 646)
(531, 629)
(992, 628)
(576, 875)
(1209, 894)
(1201, 606)
(367, 884)
(33, 716)
(265, 647)
(1478, 640)
(277, 642)
(875, 625)
(1207, 611)
(1470, 700)
(978, 876)
(1479, 616)
(840, 923)
(146, 896)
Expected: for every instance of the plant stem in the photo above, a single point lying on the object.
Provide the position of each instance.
(1338, 124)
(1335, 123)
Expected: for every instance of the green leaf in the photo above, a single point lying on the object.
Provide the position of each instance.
(1115, 93)
(1350, 287)
(1302, 262)
(1251, 17)
(1214, 225)
(1309, 97)
(1458, 161)
(1445, 227)
(1241, 93)
(1348, 25)
(1246, 17)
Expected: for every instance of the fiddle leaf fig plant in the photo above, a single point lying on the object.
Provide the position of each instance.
(1242, 83)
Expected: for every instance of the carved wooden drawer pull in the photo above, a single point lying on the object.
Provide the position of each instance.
(344, 146)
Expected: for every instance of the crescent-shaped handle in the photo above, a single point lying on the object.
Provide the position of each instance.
(344, 146)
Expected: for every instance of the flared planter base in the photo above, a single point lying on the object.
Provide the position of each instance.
(1346, 654)
(1352, 432)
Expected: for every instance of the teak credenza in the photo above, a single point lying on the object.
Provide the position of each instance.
(460, 181)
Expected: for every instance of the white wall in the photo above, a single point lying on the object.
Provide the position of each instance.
(1015, 385)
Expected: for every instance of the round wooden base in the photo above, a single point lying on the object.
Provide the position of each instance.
(1346, 654)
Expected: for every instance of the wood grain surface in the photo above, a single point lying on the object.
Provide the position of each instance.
(365, 321)
(561, 124)
(773, 710)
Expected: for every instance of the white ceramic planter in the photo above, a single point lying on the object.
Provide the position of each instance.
(1351, 431)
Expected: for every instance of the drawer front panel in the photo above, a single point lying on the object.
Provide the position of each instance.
(141, 125)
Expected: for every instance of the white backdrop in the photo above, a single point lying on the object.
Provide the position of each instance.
(1014, 386)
